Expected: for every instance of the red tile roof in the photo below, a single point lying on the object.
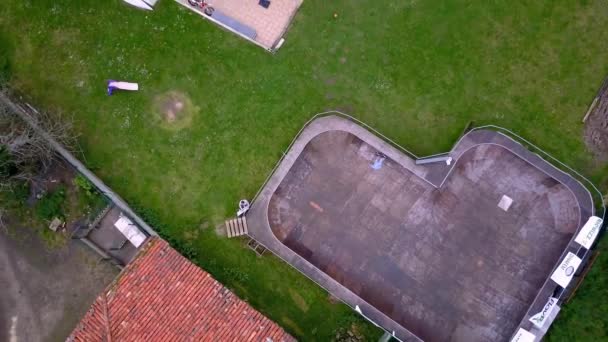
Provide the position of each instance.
(161, 296)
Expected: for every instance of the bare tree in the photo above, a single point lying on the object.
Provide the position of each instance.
(23, 152)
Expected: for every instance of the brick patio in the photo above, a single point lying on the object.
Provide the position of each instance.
(269, 23)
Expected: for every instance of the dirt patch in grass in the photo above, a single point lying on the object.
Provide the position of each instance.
(299, 300)
(174, 110)
(191, 234)
(333, 300)
(64, 36)
(291, 325)
(351, 334)
(220, 230)
(596, 126)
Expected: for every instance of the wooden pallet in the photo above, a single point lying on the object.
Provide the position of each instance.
(236, 227)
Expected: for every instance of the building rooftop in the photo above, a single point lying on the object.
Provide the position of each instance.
(161, 296)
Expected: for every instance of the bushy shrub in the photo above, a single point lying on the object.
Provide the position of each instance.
(20, 192)
(85, 185)
(51, 205)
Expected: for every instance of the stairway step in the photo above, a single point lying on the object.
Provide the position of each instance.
(236, 227)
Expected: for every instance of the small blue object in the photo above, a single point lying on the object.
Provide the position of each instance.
(378, 162)
(111, 87)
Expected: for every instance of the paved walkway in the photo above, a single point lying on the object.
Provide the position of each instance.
(45, 292)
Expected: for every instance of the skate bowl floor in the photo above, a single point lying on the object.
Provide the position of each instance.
(425, 251)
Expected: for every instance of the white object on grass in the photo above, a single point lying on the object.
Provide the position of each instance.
(120, 85)
(243, 207)
(279, 44)
(139, 4)
(124, 85)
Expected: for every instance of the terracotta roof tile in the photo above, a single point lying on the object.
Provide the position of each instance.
(161, 296)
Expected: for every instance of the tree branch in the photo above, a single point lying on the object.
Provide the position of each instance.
(26, 153)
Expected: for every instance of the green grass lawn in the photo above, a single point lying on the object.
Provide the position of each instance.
(418, 71)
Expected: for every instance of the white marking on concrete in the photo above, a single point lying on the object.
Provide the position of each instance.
(505, 202)
(13, 330)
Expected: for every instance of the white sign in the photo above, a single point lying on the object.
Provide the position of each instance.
(541, 318)
(564, 272)
(589, 232)
(523, 335)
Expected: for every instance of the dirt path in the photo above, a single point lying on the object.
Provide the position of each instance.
(596, 126)
(13, 306)
(44, 293)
